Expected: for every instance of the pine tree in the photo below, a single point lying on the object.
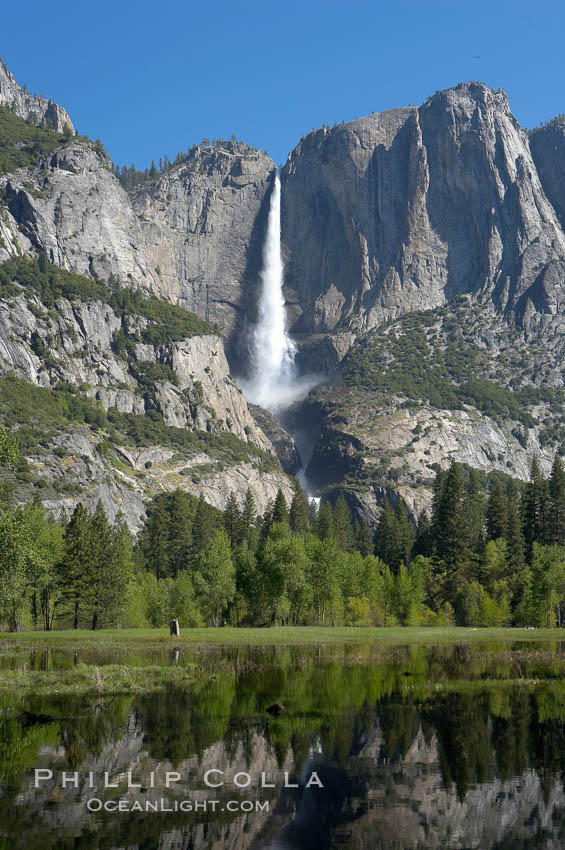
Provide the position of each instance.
(363, 538)
(514, 536)
(180, 533)
(280, 508)
(248, 520)
(439, 484)
(556, 503)
(298, 516)
(74, 567)
(202, 529)
(423, 543)
(266, 523)
(450, 530)
(474, 515)
(99, 573)
(386, 542)
(325, 521)
(534, 508)
(154, 538)
(497, 511)
(404, 534)
(343, 532)
(232, 521)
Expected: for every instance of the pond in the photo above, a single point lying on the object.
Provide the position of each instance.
(356, 746)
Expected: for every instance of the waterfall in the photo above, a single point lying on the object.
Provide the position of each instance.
(273, 383)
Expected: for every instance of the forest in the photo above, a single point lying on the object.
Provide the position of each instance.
(480, 559)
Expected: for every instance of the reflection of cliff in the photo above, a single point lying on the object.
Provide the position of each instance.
(376, 797)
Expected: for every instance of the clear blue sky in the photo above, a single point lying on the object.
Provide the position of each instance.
(155, 78)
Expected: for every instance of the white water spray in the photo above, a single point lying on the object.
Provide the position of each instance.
(274, 382)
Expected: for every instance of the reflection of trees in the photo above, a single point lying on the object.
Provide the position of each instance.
(463, 725)
(342, 705)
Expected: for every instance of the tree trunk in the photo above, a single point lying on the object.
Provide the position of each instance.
(34, 610)
(94, 621)
(75, 620)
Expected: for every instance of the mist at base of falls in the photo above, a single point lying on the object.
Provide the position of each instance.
(274, 382)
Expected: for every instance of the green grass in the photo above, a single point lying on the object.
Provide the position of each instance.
(139, 661)
(89, 679)
(276, 636)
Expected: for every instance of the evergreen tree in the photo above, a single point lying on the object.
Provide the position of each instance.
(386, 542)
(298, 516)
(203, 528)
(449, 523)
(180, 533)
(325, 521)
(155, 538)
(248, 520)
(99, 571)
(232, 521)
(74, 568)
(363, 538)
(423, 543)
(266, 523)
(497, 511)
(439, 484)
(404, 535)
(514, 536)
(534, 508)
(556, 503)
(343, 532)
(280, 508)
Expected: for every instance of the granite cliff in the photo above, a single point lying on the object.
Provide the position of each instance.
(400, 212)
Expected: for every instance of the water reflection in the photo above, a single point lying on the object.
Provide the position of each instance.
(439, 747)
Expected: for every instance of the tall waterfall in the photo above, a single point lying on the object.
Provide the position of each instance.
(273, 383)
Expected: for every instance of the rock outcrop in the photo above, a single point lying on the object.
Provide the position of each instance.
(547, 145)
(405, 209)
(203, 224)
(31, 106)
(71, 206)
(186, 384)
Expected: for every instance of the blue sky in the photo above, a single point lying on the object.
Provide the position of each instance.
(153, 78)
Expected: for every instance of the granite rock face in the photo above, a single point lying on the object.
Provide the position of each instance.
(31, 106)
(73, 344)
(71, 206)
(405, 209)
(203, 223)
(280, 439)
(547, 145)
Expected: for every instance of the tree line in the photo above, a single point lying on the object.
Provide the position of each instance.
(478, 559)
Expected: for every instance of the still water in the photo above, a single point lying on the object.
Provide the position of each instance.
(403, 747)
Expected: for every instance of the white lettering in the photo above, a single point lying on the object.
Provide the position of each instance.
(212, 784)
(41, 774)
(107, 783)
(314, 780)
(131, 784)
(69, 779)
(288, 784)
